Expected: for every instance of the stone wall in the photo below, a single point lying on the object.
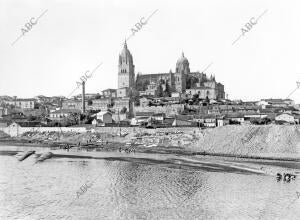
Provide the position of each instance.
(17, 131)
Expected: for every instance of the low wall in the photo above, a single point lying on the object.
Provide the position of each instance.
(133, 130)
(16, 131)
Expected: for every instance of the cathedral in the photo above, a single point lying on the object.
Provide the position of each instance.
(182, 81)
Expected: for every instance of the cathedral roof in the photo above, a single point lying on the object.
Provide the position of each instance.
(125, 55)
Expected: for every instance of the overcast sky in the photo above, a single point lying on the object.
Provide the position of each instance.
(72, 37)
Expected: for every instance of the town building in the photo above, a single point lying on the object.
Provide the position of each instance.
(100, 104)
(87, 96)
(22, 103)
(222, 121)
(120, 104)
(104, 118)
(285, 118)
(2, 111)
(141, 117)
(109, 93)
(73, 104)
(43, 99)
(182, 123)
(276, 102)
(208, 89)
(144, 102)
(59, 115)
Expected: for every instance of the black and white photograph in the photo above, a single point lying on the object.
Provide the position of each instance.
(149, 109)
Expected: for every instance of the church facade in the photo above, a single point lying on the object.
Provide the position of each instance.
(164, 84)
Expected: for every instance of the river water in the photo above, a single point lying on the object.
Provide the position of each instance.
(138, 189)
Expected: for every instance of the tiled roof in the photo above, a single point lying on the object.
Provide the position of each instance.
(62, 111)
(169, 120)
(144, 113)
(28, 123)
(103, 113)
(112, 90)
(237, 115)
(184, 117)
(25, 100)
(98, 120)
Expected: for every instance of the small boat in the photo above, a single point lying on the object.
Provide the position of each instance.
(25, 155)
(44, 156)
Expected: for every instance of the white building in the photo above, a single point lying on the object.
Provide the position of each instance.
(62, 114)
(105, 117)
(22, 103)
(285, 117)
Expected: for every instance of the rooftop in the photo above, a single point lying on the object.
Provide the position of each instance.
(65, 111)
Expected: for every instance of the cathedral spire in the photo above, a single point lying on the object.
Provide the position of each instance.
(125, 44)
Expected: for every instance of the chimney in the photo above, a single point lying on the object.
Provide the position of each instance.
(83, 97)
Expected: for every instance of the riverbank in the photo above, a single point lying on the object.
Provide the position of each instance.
(213, 163)
(277, 142)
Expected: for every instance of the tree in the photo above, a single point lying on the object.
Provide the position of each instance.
(162, 81)
(123, 110)
(207, 100)
(31, 118)
(98, 96)
(136, 100)
(37, 106)
(168, 90)
(160, 92)
(145, 85)
(87, 119)
(139, 84)
(195, 97)
(74, 117)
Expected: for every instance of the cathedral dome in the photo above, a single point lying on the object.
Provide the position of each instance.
(182, 65)
(182, 60)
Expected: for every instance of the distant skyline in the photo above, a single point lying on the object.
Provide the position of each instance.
(73, 37)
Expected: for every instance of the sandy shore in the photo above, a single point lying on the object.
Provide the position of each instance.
(210, 163)
(117, 147)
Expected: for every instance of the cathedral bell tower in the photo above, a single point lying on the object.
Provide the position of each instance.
(125, 69)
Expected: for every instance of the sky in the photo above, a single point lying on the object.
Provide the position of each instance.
(72, 37)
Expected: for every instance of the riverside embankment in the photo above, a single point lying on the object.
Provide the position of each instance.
(270, 141)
